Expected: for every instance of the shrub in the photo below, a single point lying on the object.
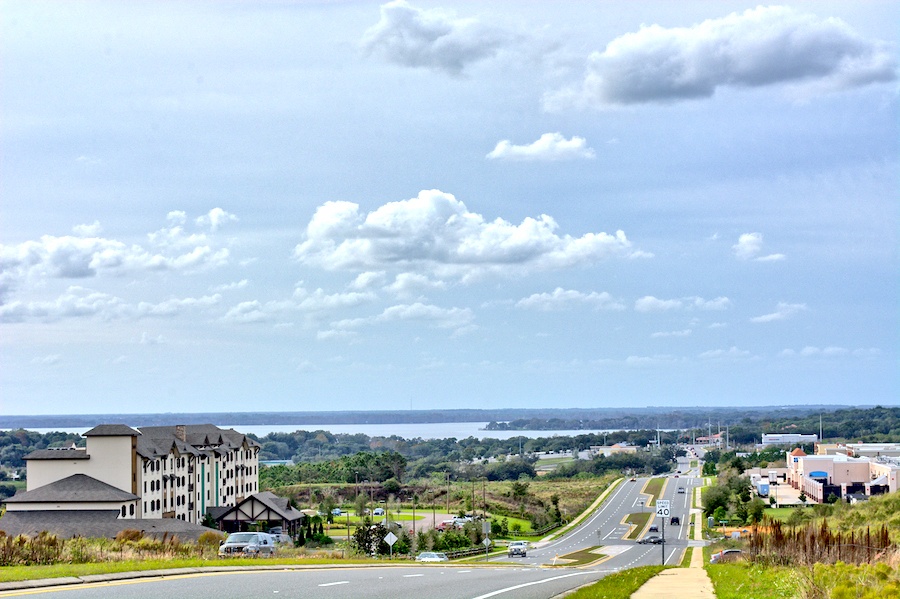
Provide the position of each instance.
(129, 534)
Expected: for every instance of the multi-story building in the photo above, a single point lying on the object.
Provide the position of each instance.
(159, 472)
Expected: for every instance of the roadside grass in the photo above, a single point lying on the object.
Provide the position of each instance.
(653, 488)
(553, 461)
(16, 573)
(618, 585)
(609, 483)
(783, 513)
(639, 520)
(743, 580)
(686, 558)
(581, 558)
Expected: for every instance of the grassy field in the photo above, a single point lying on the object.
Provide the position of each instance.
(746, 581)
(653, 488)
(618, 585)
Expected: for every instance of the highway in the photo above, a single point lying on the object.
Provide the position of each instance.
(523, 578)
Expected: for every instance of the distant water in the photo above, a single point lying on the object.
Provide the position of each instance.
(434, 430)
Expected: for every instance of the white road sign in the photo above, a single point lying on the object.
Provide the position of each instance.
(390, 538)
(662, 508)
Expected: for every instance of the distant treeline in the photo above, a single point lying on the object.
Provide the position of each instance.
(16, 444)
(317, 446)
(651, 417)
(744, 427)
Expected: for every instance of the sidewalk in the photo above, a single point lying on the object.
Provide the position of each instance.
(691, 582)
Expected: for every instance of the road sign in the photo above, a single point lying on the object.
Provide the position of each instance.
(486, 542)
(390, 538)
(662, 508)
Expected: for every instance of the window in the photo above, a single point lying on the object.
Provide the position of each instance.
(145, 506)
(131, 509)
(123, 511)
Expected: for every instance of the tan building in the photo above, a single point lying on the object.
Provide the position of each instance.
(822, 475)
(164, 472)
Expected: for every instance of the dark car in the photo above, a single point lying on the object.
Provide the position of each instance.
(674, 520)
(651, 540)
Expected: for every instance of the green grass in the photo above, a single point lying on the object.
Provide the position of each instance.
(781, 513)
(747, 581)
(618, 585)
(581, 558)
(653, 488)
(639, 520)
(686, 558)
(14, 573)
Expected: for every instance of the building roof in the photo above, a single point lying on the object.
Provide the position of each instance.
(798, 452)
(261, 506)
(77, 488)
(94, 523)
(58, 454)
(112, 430)
(198, 439)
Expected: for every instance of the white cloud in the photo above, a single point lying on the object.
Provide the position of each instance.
(407, 284)
(759, 47)
(445, 318)
(749, 246)
(648, 303)
(718, 354)
(231, 286)
(92, 230)
(367, 280)
(562, 299)
(79, 302)
(432, 39)
(311, 304)
(782, 311)
(148, 339)
(48, 360)
(682, 333)
(811, 352)
(550, 147)
(215, 218)
(436, 231)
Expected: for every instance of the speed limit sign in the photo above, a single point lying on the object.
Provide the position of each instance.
(662, 508)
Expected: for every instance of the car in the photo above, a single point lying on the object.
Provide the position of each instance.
(282, 539)
(432, 556)
(379, 511)
(632, 479)
(651, 540)
(336, 511)
(653, 528)
(248, 544)
(681, 490)
(517, 548)
(726, 555)
(675, 521)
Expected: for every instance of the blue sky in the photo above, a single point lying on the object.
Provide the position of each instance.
(353, 205)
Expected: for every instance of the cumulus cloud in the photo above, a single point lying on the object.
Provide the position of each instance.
(648, 303)
(215, 218)
(368, 280)
(302, 302)
(231, 286)
(435, 231)
(79, 302)
(432, 39)
(78, 257)
(562, 299)
(749, 246)
(92, 230)
(444, 318)
(408, 284)
(763, 46)
(824, 352)
(682, 333)
(782, 311)
(550, 147)
(719, 354)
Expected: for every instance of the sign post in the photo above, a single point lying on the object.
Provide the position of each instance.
(390, 538)
(487, 545)
(662, 511)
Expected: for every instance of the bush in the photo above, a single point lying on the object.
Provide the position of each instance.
(129, 534)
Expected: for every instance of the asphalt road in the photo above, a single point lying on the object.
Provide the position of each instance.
(526, 580)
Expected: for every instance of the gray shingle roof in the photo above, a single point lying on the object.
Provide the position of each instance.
(94, 523)
(75, 488)
(112, 430)
(58, 454)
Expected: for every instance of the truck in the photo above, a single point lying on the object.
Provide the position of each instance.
(762, 488)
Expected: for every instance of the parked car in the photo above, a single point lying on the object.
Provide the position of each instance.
(432, 556)
(248, 544)
(379, 511)
(517, 548)
(336, 511)
(282, 539)
(726, 555)
(651, 540)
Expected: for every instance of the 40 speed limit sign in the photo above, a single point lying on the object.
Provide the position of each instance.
(662, 508)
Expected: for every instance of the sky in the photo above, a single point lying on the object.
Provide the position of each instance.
(276, 206)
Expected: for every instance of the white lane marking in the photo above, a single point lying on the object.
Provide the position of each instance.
(528, 584)
(331, 584)
(412, 575)
(463, 571)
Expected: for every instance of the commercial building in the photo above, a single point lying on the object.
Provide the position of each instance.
(158, 472)
(839, 474)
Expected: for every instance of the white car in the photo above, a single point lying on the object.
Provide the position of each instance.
(432, 556)
(248, 544)
(517, 548)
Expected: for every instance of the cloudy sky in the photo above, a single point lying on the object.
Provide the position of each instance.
(350, 205)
